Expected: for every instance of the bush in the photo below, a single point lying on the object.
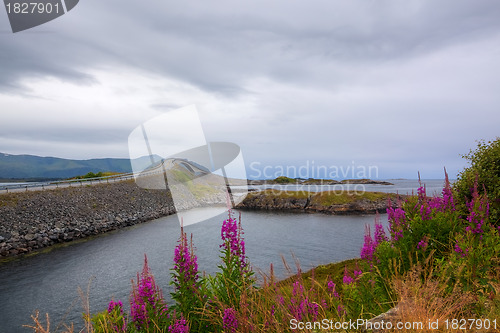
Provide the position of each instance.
(485, 167)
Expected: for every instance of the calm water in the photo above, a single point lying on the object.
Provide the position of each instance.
(49, 281)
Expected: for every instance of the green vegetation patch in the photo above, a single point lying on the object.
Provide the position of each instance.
(485, 169)
(329, 198)
(324, 273)
(284, 180)
(9, 199)
(181, 176)
(326, 198)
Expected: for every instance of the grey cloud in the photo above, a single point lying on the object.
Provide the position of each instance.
(222, 45)
(380, 67)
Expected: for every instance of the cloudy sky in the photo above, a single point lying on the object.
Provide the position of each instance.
(404, 86)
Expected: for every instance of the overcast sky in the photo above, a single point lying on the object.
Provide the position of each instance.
(404, 86)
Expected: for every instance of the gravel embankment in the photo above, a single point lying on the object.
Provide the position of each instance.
(34, 220)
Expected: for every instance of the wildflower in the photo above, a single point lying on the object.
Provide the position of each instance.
(231, 235)
(425, 210)
(347, 278)
(185, 262)
(357, 271)
(179, 326)
(340, 310)
(448, 200)
(479, 211)
(229, 321)
(312, 309)
(185, 277)
(368, 249)
(423, 243)
(112, 305)
(298, 289)
(397, 222)
(422, 195)
(380, 235)
(463, 253)
(331, 289)
(145, 296)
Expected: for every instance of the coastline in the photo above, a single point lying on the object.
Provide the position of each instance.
(35, 221)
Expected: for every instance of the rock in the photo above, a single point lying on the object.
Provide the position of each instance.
(29, 237)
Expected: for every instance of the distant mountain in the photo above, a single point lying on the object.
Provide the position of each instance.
(30, 166)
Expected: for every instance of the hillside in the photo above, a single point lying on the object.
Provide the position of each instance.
(32, 167)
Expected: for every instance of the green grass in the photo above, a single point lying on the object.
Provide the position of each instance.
(180, 176)
(323, 273)
(342, 197)
(326, 198)
(284, 180)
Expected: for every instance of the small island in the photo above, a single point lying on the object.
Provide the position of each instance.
(283, 180)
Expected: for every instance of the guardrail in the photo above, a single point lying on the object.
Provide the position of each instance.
(65, 183)
(154, 170)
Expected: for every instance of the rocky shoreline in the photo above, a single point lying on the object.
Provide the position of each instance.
(31, 221)
(34, 220)
(334, 203)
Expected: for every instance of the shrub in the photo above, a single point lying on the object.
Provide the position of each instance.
(485, 169)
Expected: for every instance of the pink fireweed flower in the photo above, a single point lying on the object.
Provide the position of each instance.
(312, 308)
(380, 235)
(145, 296)
(425, 211)
(479, 211)
(422, 245)
(231, 234)
(298, 289)
(397, 222)
(180, 325)
(357, 271)
(112, 305)
(302, 308)
(347, 280)
(422, 195)
(185, 262)
(368, 249)
(460, 251)
(229, 321)
(331, 289)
